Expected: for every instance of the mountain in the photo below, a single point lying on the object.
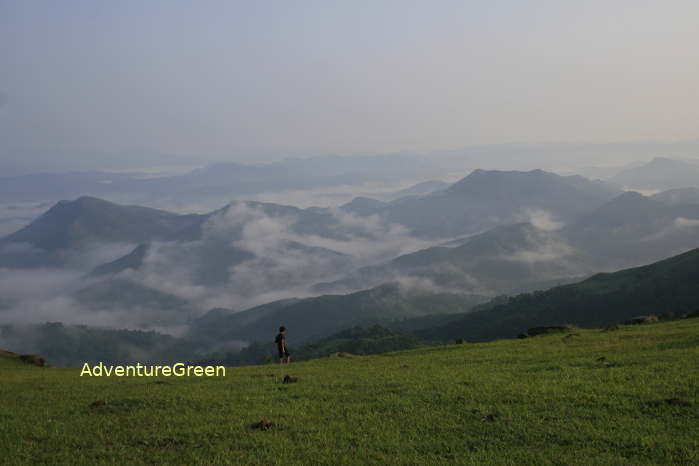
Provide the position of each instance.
(499, 261)
(364, 206)
(223, 180)
(665, 287)
(228, 180)
(254, 248)
(420, 189)
(72, 224)
(660, 173)
(485, 199)
(211, 269)
(90, 222)
(72, 229)
(318, 317)
(234, 179)
(479, 201)
(133, 260)
(633, 229)
(135, 303)
(679, 196)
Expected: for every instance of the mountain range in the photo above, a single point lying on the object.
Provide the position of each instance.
(228, 276)
(629, 230)
(477, 202)
(485, 199)
(222, 180)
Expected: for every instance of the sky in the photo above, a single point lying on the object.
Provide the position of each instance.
(97, 84)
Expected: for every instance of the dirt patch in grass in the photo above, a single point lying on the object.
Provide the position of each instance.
(603, 362)
(264, 424)
(641, 320)
(678, 402)
(671, 402)
(33, 359)
(547, 330)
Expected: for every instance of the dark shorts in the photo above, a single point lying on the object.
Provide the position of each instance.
(284, 354)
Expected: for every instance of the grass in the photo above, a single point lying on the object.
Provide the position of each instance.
(592, 398)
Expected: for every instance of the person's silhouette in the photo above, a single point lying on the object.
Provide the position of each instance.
(280, 340)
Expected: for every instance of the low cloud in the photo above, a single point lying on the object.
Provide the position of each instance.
(248, 256)
(542, 220)
(16, 215)
(553, 251)
(683, 222)
(332, 196)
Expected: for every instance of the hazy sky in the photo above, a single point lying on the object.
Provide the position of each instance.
(175, 82)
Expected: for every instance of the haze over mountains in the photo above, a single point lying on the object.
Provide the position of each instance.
(432, 250)
(660, 174)
(224, 181)
(629, 230)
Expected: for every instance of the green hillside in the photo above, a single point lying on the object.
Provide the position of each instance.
(668, 287)
(629, 396)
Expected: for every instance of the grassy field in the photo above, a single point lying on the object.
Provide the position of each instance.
(629, 396)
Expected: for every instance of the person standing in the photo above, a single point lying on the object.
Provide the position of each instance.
(280, 340)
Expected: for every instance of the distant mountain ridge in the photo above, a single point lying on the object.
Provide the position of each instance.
(660, 174)
(221, 180)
